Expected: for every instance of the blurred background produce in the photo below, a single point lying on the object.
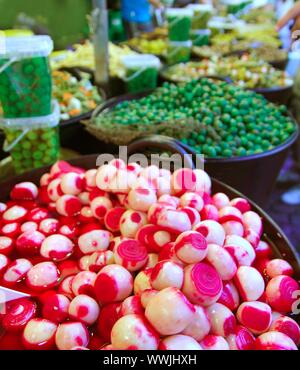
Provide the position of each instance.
(75, 96)
(246, 71)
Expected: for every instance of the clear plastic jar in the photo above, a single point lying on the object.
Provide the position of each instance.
(179, 52)
(201, 15)
(25, 76)
(141, 72)
(179, 23)
(32, 142)
(200, 37)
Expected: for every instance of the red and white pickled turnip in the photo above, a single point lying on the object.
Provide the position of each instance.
(57, 247)
(98, 260)
(39, 334)
(200, 325)
(130, 254)
(113, 284)
(42, 276)
(250, 283)
(4, 262)
(255, 316)
(131, 221)
(274, 341)
(287, 326)
(202, 284)
(240, 249)
(222, 261)
(85, 309)
(94, 241)
(277, 267)
(179, 342)
(55, 308)
(280, 293)
(71, 334)
(133, 332)
(132, 305)
(83, 283)
(6, 245)
(169, 311)
(68, 205)
(142, 281)
(222, 320)
(24, 191)
(242, 339)
(212, 231)
(230, 296)
(17, 271)
(167, 274)
(214, 343)
(17, 314)
(191, 247)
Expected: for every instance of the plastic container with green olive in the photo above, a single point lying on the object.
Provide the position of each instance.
(179, 23)
(201, 15)
(200, 37)
(25, 77)
(141, 72)
(32, 142)
(179, 52)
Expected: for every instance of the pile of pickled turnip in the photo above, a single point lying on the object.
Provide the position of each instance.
(124, 257)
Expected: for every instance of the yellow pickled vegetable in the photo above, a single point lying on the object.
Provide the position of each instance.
(83, 56)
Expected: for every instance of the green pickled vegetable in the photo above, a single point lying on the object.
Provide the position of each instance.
(230, 121)
(25, 88)
(37, 148)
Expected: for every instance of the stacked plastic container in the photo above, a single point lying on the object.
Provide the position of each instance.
(179, 28)
(141, 72)
(202, 13)
(29, 119)
(235, 6)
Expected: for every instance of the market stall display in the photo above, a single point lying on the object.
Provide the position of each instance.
(230, 121)
(60, 283)
(172, 252)
(266, 52)
(149, 45)
(246, 71)
(260, 15)
(82, 55)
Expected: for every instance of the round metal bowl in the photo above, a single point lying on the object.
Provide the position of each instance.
(273, 234)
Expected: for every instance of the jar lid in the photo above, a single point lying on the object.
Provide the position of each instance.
(140, 60)
(51, 120)
(234, 2)
(201, 7)
(180, 44)
(25, 47)
(179, 12)
(201, 32)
